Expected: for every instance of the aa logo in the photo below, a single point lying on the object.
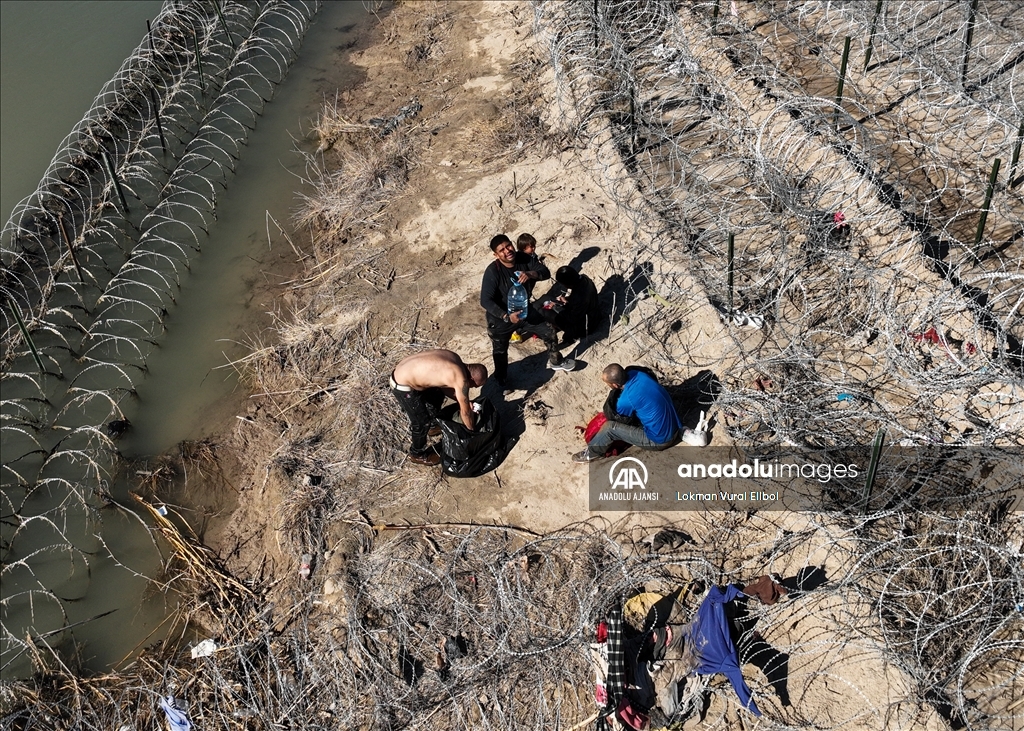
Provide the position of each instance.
(628, 473)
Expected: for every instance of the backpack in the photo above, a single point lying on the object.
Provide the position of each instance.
(591, 430)
(466, 453)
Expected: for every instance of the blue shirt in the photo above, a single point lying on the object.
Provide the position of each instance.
(713, 643)
(645, 397)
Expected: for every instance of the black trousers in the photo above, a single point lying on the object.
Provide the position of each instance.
(500, 332)
(422, 408)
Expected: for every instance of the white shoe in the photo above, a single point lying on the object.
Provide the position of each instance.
(585, 456)
(566, 365)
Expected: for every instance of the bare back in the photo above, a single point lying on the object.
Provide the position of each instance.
(432, 369)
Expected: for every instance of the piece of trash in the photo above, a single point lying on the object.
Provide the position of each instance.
(698, 436)
(118, 427)
(930, 335)
(162, 510)
(739, 319)
(455, 647)
(204, 649)
(304, 565)
(843, 396)
(752, 321)
(670, 538)
(176, 718)
(389, 125)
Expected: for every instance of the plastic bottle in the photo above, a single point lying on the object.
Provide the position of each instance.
(518, 298)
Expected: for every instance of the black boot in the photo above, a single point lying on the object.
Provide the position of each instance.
(500, 368)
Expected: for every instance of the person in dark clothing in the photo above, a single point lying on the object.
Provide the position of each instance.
(641, 397)
(494, 289)
(421, 382)
(574, 308)
(527, 244)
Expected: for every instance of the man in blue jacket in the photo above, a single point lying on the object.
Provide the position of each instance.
(640, 398)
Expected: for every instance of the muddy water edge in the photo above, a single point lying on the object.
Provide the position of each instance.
(188, 394)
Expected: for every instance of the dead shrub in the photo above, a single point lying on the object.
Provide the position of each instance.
(331, 124)
(354, 194)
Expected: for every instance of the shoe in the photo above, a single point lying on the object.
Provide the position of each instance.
(566, 365)
(585, 456)
(430, 459)
(435, 431)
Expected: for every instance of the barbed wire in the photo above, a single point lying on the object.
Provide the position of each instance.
(734, 124)
(488, 627)
(897, 614)
(91, 289)
(731, 125)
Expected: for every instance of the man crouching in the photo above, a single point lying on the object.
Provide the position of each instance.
(638, 398)
(421, 382)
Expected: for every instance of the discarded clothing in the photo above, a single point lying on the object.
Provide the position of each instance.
(765, 589)
(389, 125)
(616, 681)
(714, 646)
(176, 718)
(631, 717)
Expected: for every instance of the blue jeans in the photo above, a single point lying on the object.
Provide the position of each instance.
(613, 431)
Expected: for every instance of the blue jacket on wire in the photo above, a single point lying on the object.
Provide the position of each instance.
(714, 645)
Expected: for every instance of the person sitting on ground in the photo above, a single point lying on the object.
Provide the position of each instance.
(575, 309)
(640, 398)
(501, 324)
(421, 382)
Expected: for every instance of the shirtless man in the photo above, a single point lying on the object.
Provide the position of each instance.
(421, 382)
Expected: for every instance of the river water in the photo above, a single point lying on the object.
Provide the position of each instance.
(55, 58)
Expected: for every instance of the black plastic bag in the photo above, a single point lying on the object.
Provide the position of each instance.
(466, 453)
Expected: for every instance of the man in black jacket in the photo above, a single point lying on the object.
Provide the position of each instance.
(494, 299)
